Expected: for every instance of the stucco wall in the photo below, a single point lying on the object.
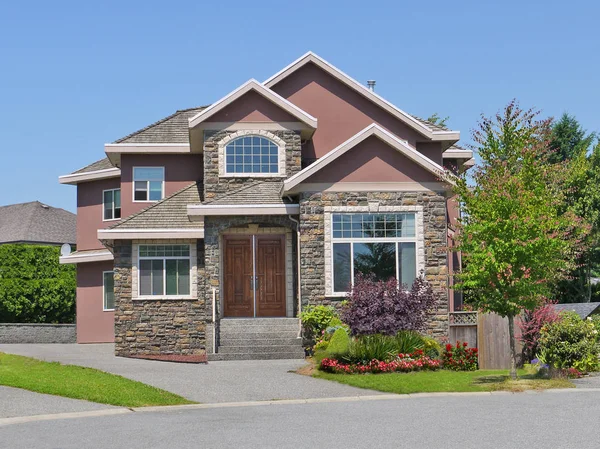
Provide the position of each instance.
(94, 325)
(37, 333)
(252, 107)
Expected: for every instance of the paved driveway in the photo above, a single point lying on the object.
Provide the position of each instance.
(255, 380)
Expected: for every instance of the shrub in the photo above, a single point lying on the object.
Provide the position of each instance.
(569, 343)
(339, 343)
(459, 357)
(315, 319)
(408, 342)
(416, 361)
(366, 348)
(34, 286)
(384, 307)
(431, 347)
(531, 324)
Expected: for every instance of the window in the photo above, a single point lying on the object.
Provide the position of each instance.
(383, 245)
(109, 290)
(251, 154)
(148, 183)
(164, 270)
(111, 200)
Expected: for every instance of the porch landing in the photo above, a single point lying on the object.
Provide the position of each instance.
(258, 339)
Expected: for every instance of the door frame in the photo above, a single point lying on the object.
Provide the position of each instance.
(252, 233)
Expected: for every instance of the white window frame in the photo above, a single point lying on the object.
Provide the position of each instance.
(373, 208)
(162, 193)
(164, 259)
(281, 154)
(104, 273)
(113, 205)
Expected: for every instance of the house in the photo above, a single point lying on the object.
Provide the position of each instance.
(583, 309)
(37, 224)
(209, 230)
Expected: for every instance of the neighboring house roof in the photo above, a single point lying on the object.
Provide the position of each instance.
(36, 222)
(253, 85)
(171, 129)
(583, 309)
(372, 130)
(424, 127)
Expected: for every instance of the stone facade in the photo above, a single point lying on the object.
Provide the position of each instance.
(314, 206)
(215, 186)
(156, 327)
(37, 333)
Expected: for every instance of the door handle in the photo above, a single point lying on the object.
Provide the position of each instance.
(253, 282)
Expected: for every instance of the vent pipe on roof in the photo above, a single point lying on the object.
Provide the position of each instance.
(371, 84)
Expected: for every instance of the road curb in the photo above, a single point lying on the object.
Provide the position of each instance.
(69, 415)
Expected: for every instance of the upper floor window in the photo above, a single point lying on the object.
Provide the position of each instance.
(111, 200)
(148, 183)
(251, 154)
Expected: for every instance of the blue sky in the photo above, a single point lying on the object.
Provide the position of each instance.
(75, 75)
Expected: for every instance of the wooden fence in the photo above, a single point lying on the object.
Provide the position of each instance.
(487, 332)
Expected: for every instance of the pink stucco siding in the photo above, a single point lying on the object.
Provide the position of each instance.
(94, 325)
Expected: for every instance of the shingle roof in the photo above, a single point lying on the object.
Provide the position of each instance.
(457, 148)
(262, 192)
(583, 309)
(430, 125)
(169, 213)
(36, 223)
(102, 164)
(171, 129)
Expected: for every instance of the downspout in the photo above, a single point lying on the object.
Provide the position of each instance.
(299, 294)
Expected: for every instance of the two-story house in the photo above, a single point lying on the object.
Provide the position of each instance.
(209, 230)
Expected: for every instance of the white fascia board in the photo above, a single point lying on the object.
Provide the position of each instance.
(311, 57)
(457, 154)
(145, 148)
(371, 130)
(150, 233)
(261, 90)
(75, 178)
(96, 256)
(469, 163)
(236, 209)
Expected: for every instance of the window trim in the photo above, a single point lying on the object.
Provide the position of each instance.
(104, 309)
(372, 208)
(113, 205)
(164, 258)
(162, 193)
(281, 154)
(352, 240)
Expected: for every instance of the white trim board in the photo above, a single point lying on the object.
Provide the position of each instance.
(311, 57)
(195, 210)
(82, 257)
(268, 94)
(150, 233)
(370, 187)
(76, 178)
(457, 154)
(371, 130)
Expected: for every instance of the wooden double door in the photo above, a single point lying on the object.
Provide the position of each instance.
(254, 276)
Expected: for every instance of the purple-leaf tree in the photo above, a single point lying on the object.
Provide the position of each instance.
(384, 307)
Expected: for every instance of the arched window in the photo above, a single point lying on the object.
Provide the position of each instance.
(251, 154)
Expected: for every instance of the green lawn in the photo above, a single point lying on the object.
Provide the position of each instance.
(78, 382)
(444, 381)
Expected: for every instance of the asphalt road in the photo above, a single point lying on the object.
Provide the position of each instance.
(551, 420)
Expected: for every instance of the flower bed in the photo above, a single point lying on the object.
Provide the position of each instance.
(404, 363)
(460, 357)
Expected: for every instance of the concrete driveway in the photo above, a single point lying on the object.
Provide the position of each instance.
(235, 381)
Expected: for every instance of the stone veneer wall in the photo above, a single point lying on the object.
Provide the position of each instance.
(215, 186)
(152, 327)
(312, 243)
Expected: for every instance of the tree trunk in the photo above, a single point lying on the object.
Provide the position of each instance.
(589, 281)
(513, 354)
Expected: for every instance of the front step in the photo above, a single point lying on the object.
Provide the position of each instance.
(258, 339)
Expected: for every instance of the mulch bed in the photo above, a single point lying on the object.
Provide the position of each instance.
(197, 358)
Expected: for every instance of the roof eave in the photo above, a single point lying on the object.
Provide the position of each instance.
(76, 178)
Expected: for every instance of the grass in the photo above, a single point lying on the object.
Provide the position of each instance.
(78, 382)
(443, 381)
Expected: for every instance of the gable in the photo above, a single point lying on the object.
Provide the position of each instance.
(340, 110)
(372, 160)
(252, 107)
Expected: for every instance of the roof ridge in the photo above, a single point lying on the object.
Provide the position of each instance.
(177, 112)
(152, 206)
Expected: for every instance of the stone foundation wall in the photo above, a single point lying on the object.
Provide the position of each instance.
(152, 327)
(37, 333)
(313, 207)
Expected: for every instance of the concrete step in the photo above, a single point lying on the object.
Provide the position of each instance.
(270, 340)
(275, 349)
(260, 335)
(259, 328)
(257, 356)
(259, 321)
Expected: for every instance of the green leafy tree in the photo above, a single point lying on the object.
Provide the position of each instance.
(34, 286)
(515, 239)
(568, 139)
(437, 120)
